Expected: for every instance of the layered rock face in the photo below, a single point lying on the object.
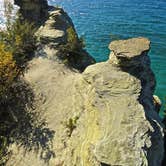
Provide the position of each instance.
(119, 125)
(33, 10)
(104, 116)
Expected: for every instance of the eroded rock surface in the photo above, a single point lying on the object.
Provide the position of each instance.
(104, 116)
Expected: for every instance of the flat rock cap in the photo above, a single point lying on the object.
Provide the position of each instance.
(130, 48)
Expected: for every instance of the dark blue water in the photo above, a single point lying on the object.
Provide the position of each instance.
(101, 21)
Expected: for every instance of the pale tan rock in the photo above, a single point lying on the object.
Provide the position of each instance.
(130, 48)
(131, 52)
(157, 103)
(111, 109)
(103, 116)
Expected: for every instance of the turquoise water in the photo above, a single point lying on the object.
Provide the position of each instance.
(101, 21)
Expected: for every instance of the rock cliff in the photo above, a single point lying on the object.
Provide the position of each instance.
(104, 116)
(53, 37)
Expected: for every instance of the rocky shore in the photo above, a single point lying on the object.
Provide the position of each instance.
(92, 114)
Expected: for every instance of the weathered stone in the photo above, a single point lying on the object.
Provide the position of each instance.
(157, 103)
(54, 29)
(103, 116)
(111, 113)
(130, 48)
(131, 52)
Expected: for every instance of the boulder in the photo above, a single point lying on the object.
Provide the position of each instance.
(157, 103)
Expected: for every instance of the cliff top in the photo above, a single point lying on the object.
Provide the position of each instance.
(130, 48)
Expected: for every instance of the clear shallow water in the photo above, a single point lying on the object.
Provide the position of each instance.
(101, 21)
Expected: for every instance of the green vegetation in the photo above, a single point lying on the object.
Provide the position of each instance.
(17, 44)
(74, 44)
(72, 49)
(3, 144)
(71, 125)
(19, 40)
(8, 69)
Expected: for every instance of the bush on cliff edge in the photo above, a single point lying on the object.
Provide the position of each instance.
(17, 44)
(19, 40)
(72, 50)
(8, 69)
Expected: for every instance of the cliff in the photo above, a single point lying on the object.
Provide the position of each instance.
(103, 116)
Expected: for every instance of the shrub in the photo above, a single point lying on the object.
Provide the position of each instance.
(19, 39)
(74, 44)
(8, 69)
(8, 72)
(18, 36)
(3, 144)
(17, 44)
(71, 125)
(72, 51)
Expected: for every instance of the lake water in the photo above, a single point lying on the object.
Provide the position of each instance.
(101, 21)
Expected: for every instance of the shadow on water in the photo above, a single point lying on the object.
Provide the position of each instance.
(25, 128)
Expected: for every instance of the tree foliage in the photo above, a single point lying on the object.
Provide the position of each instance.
(74, 44)
(17, 44)
(19, 39)
(8, 69)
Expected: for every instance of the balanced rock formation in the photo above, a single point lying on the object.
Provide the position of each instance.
(104, 116)
(119, 125)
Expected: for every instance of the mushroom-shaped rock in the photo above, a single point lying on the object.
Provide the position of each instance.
(129, 52)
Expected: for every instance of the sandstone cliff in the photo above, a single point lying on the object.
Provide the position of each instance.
(104, 116)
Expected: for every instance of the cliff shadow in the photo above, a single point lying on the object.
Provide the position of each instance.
(23, 125)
